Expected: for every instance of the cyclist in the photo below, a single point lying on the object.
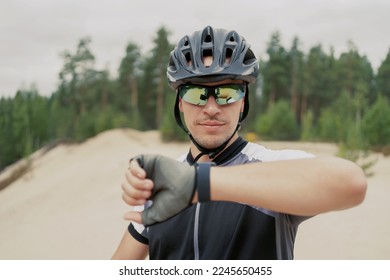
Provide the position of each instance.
(227, 198)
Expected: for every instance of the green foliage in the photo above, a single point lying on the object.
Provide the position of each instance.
(154, 83)
(334, 121)
(127, 96)
(320, 84)
(308, 131)
(169, 129)
(61, 120)
(23, 125)
(330, 126)
(275, 71)
(376, 123)
(383, 77)
(278, 123)
(354, 148)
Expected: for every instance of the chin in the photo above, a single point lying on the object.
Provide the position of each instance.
(211, 142)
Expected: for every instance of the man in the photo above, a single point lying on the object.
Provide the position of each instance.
(227, 199)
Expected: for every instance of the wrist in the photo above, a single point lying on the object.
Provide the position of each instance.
(203, 181)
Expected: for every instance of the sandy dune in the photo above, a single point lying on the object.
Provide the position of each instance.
(69, 205)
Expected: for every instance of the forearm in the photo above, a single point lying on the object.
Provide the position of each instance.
(130, 249)
(301, 187)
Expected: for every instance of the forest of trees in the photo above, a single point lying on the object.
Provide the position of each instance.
(313, 96)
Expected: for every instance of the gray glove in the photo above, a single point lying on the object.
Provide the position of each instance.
(174, 186)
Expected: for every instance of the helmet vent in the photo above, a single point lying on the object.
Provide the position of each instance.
(232, 39)
(207, 39)
(207, 53)
(249, 57)
(188, 58)
(229, 53)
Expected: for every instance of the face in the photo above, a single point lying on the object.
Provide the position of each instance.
(212, 124)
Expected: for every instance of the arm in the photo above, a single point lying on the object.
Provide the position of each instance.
(300, 187)
(130, 249)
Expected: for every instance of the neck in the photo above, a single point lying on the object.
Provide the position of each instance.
(195, 152)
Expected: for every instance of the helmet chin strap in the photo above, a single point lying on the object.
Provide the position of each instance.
(212, 153)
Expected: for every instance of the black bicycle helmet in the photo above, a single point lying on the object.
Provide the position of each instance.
(231, 55)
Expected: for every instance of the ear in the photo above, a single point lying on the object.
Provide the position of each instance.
(242, 105)
(180, 105)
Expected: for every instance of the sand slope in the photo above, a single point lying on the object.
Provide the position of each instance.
(69, 205)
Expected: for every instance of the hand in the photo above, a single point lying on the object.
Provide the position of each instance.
(137, 189)
(168, 183)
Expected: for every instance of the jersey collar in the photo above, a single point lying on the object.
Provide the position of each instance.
(230, 152)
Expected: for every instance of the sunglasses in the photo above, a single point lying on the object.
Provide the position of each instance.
(223, 94)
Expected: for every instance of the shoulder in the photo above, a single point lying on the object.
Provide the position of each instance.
(182, 158)
(257, 152)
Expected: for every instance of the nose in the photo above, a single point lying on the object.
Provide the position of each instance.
(211, 108)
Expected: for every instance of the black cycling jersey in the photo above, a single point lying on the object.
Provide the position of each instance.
(225, 230)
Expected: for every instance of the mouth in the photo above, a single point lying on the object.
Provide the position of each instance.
(211, 125)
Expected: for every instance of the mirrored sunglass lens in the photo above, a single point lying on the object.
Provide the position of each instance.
(194, 95)
(229, 94)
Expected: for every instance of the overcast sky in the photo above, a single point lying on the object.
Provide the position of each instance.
(34, 32)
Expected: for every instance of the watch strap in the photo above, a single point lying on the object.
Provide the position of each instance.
(203, 180)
